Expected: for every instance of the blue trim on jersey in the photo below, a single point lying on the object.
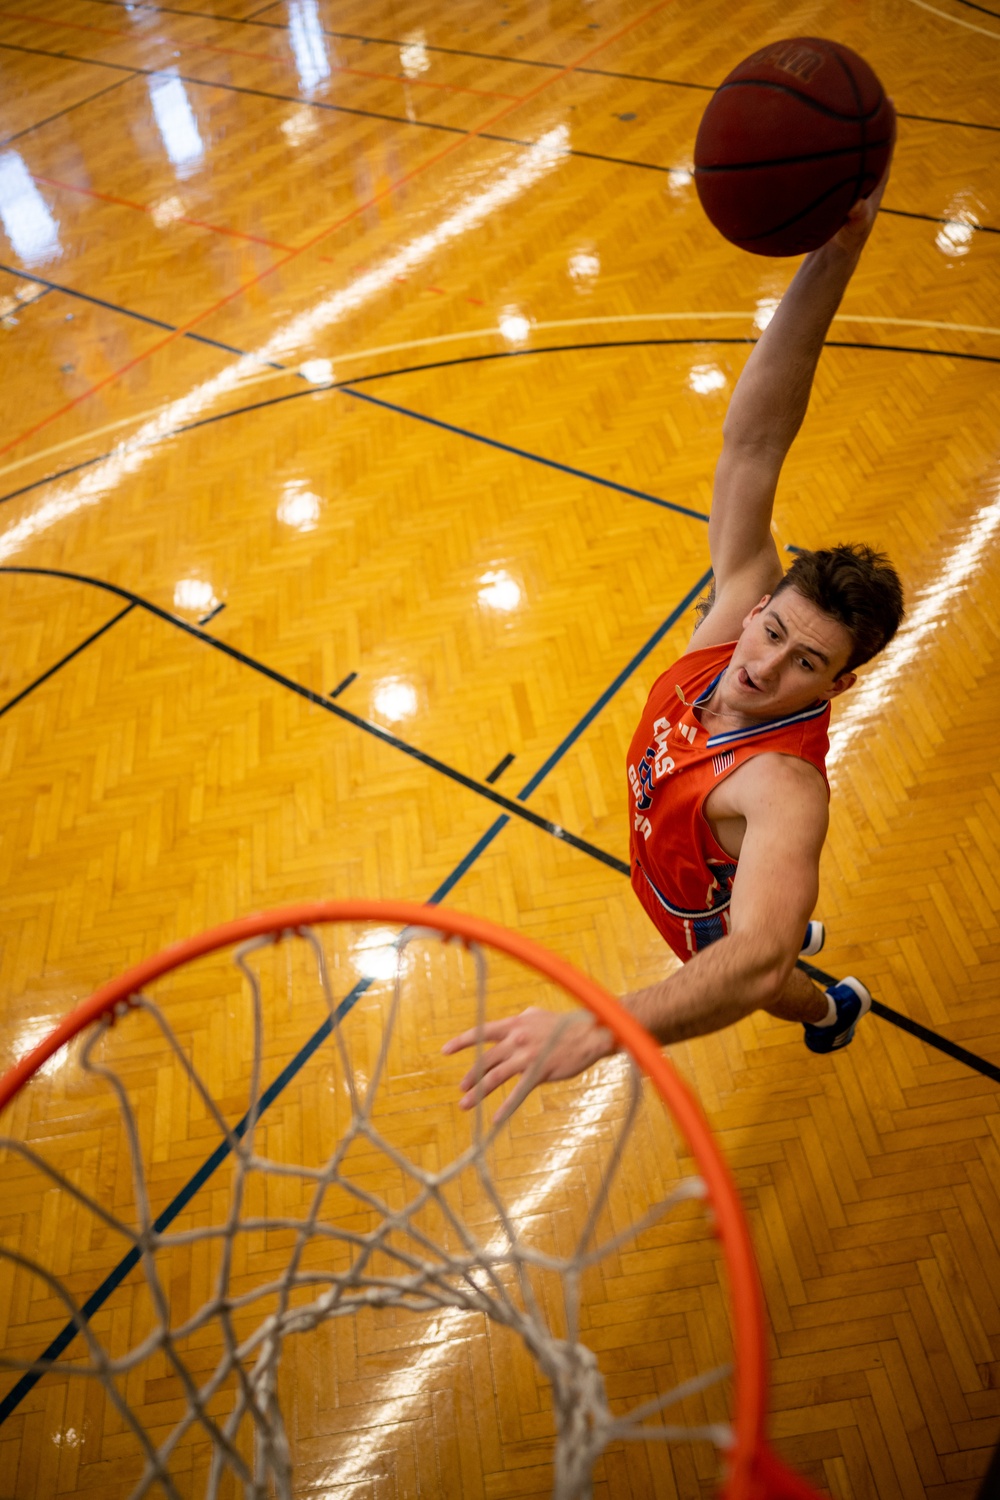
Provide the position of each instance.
(708, 930)
(679, 911)
(729, 735)
(746, 734)
(709, 690)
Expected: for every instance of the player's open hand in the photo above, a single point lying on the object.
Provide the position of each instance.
(539, 1042)
(861, 220)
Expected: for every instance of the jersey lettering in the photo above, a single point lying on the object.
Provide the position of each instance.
(643, 799)
(663, 764)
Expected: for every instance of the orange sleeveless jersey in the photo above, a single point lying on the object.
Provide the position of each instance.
(680, 874)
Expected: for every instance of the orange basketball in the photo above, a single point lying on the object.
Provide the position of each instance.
(794, 136)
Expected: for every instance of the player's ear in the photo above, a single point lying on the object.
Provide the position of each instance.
(756, 610)
(840, 685)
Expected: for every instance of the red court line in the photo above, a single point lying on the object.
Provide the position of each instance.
(122, 32)
(322, 234)
(144, 208)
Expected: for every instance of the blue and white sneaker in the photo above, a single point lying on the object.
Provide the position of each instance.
(814, 939)
(852, 1001)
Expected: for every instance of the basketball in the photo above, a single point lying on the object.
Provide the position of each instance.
(791, 139)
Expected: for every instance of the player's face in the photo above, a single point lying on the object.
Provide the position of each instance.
(790, 654)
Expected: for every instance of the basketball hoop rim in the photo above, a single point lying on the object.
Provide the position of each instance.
(749, 1453)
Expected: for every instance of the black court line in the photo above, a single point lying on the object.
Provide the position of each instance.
(442, 364)
(336, 692)
(473, 359)
(499, 768)
(903, 213)
(203, 1173)
(19, 697)
(94, 62)
(670, 83)
(24, 303)
(221, 1152)
(550, 463)
(971, 5)
(940, 120)
(914, 1028)
(984, 359)
(60, 113)
(485, 135)
(252, 93)
(523, 62)
(502, 57)
(126, 312)
(514, 808)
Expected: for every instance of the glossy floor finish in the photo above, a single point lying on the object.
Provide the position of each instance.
(364, 371)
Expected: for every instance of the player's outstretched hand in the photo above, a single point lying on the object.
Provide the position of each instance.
(519, 1042)
(861, 219)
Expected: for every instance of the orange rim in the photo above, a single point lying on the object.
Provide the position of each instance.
(748, 1459)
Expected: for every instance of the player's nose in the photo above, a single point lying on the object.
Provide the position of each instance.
(769, 666)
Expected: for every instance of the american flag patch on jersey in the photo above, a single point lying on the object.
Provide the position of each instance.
(722, 762)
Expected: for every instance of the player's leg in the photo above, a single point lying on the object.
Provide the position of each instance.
(829, 1016)
(801, 1001)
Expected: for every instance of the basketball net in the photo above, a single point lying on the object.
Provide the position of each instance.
(335, 1180)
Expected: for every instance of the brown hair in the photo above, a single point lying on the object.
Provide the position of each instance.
(857, 586)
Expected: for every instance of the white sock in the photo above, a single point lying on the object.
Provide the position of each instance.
(831, 1014)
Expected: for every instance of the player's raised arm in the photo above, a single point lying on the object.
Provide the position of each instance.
(765, 413)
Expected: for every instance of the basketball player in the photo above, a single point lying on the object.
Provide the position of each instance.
(727, 786)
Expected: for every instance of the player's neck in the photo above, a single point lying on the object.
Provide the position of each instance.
(719, 715)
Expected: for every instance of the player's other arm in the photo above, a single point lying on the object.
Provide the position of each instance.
(764, 416)
(784, 803)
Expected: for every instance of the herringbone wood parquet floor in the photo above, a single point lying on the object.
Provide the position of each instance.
(389, 341)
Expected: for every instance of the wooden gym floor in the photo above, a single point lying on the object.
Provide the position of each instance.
(364, 372)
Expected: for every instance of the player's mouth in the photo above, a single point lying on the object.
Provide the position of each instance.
(746, 681)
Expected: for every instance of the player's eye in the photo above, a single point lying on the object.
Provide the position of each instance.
(805, 662)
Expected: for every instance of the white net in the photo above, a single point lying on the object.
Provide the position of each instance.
(272, 1146)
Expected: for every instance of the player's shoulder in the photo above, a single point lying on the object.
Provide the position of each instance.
(778, 786)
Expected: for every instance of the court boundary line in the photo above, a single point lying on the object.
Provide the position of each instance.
(923, 1033)
(513, 808)
(329, 230)
(346, 385)
(468, 359)
(62, 662)
(551, 463)
(128, 312)
(8, 140)
(201, 1175)
(122, 34)
(516, 61)
(499, 57)
(461, 131)
(957, 20)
